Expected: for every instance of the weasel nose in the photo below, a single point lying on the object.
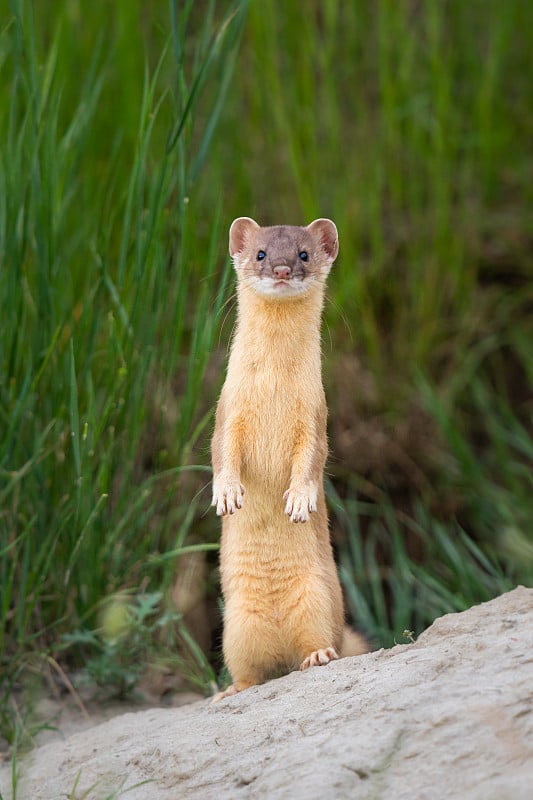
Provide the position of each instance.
(283, 273)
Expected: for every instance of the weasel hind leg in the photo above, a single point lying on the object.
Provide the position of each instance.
(249, 649)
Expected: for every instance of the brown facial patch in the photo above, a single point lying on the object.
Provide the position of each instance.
(283, 246)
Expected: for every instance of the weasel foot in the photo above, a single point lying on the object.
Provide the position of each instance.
(229, 692)
(318, 658)
(301, 503)
(227, 497)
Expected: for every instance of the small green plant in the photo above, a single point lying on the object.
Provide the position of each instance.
(95, 791)
(137, 632)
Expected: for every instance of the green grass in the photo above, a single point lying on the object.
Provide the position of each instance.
(104, 280)
(129, 142)
(408, 126)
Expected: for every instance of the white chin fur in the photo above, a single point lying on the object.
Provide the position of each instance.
(269, 287)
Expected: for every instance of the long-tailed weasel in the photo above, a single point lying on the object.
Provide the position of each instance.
(283, 601)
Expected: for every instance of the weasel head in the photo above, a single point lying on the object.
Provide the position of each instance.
(283, 261)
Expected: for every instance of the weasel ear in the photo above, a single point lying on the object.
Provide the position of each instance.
(326, 232)
(240, 229)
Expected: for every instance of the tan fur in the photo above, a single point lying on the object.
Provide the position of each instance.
(283, 601)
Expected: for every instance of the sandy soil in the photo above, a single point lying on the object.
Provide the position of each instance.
(450, 716)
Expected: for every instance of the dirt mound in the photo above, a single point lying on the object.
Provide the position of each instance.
(450, 716)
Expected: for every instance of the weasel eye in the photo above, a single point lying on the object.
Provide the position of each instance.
(261, 255)
(303, 255)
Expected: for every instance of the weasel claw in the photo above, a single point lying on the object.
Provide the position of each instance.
(318, 658)
(227, 497)
(229, 692)
(300, 504)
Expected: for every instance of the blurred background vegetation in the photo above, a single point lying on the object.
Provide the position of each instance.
(131, 135)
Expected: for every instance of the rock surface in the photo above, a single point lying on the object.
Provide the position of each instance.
(450, 716)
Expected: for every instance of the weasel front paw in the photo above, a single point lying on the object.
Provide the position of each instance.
(318, 658)
(227, 496)
(300, 503)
